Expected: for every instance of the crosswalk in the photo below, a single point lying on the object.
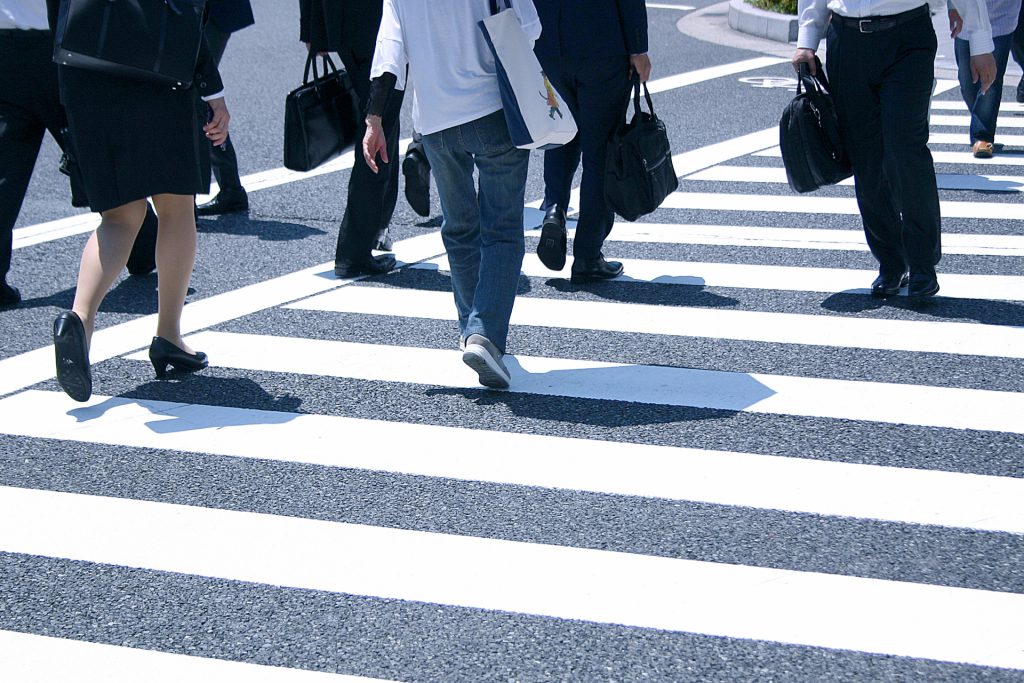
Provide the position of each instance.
(737, 377)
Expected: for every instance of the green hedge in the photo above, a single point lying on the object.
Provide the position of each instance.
(780, 6)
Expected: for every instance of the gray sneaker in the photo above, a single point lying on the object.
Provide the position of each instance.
(485, 358)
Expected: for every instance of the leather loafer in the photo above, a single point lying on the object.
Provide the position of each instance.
(9, 295)
(553, 239)
(371, 265)
(72, 352)
(922, 286)
(595, 270)
(225, 202)
(416, 170)
(885, 286)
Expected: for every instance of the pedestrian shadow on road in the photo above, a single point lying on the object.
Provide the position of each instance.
(429, 277)
(983, 311)
(267, 231)
(621, 395)
(251, 404)
(667, 290)
(134, 295)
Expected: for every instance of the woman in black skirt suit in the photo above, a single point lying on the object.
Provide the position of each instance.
(135, 140)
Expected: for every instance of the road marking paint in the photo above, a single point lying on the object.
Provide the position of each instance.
(965, 121)
(940, 158)
(31, 658)
(665, 5)
(959, 105)
(767, 174)
(779, 278)
(969, 339)
(711, 73)
(795, 238)
(718, 201)
(771, 482)
(26, 369)
(784, 606)
(947, 407)
(963, 139)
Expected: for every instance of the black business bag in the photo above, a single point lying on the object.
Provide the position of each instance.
(145, 40)
(812, 151)
(320, 117)
(638, 171)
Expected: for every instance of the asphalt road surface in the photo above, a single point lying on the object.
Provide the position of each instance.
(729, 464)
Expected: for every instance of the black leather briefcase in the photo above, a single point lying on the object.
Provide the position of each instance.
(638, 172)
(812, 151)
(146, 40)
(320, 117)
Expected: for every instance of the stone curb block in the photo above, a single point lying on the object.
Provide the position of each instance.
(761, 23)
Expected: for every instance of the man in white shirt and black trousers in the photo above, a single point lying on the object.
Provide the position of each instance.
(881, 63)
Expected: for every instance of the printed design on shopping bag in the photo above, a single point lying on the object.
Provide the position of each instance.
(551, 98)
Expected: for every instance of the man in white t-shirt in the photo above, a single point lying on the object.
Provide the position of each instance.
(458, 110)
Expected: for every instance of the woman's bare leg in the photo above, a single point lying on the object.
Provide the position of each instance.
(104, 257)
(175, 256)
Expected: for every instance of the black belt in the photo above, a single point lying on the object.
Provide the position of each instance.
(883, 23)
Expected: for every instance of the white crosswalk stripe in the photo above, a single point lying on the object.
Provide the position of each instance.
(446, 568)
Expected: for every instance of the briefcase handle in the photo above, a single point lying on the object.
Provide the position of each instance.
(328, 67)
(817, 83)
(636, 97)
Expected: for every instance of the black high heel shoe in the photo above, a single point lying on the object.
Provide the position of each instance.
(163, 353)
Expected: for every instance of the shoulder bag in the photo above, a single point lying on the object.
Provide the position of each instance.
(146, 40)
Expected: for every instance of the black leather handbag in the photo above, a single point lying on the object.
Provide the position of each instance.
(638, 172)
(809, 135)
(320, 117)
(146, 40)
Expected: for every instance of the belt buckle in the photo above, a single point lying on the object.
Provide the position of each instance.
(861, 26)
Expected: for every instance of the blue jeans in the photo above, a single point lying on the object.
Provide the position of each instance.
(984, 108)
(483, 234)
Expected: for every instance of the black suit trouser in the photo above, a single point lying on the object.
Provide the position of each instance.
(882, 84)
(29, 106)
(371, 196)
(223, 161)
(596, 89)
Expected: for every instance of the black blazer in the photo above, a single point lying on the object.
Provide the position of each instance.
(334, 25)
(230, 15)
(591, 28)
(207, 78)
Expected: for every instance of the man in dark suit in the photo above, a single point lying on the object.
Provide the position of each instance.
(224, 18)
(588, 49)
(349, 27)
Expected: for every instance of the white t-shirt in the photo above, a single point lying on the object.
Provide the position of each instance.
(23, 14)
(451, 67)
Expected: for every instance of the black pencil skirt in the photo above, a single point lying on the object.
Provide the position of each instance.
(133, 139)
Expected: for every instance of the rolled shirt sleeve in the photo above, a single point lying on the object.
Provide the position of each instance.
(390, 55)
(977, 27)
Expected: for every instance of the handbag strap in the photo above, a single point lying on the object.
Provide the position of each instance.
(326, 61)
(817, 83)
(636, 96)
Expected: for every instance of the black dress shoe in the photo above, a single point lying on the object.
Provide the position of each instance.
(923, 286)
(416, 169)
(72, 354)
(226, 201)
(371, 265)
(595, 270)
(553, 239)
(886, 286)
(9, 295)
(163, 353)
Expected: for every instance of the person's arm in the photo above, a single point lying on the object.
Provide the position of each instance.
(978, 31)
(211, 90)
(387, 73)
(812, 16)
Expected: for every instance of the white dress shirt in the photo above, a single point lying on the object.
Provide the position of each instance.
(451, 68)
(29, 15)
(813, 17)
